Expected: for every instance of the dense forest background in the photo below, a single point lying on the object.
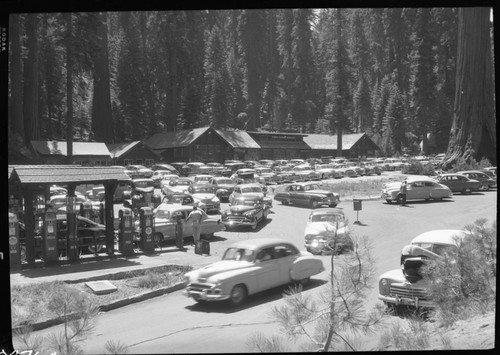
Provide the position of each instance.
(121, 76)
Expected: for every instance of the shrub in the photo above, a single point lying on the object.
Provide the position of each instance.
(415, 167)
(149, 280)
(469, 164)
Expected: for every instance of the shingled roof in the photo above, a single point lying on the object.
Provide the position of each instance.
(238, 139)
(79, 148)
(174, 139)
(63, 174)
(117, 149)
(328, 141)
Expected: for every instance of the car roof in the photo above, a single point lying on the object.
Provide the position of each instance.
(439, 236)
(259, 243)
(472, 171)
(327, 210)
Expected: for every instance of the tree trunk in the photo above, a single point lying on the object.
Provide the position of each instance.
(473, 132)
(102, 122)
(69, 90)
(30, 101)
(16, 108)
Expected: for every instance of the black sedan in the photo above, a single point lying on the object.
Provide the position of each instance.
(459, 183)
(245, 211)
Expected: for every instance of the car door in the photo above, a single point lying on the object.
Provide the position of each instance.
(284, 258)
(268, 270)
(416, 191)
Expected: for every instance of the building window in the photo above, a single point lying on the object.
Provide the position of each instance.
(138, 161)
(149, 162)
(128, 161)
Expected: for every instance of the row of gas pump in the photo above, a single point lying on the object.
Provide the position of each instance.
(49, 244)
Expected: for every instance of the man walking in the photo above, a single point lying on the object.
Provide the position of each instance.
(196, 216)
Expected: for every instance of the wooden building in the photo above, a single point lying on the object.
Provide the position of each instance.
(84, 153)
(131, 153)
(278, 145)
(204, 144)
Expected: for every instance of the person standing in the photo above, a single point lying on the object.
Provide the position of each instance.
(403, 190)
(178, 233)
(196, 216)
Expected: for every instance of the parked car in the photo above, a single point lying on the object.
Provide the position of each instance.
(459, 183)
(195, 168)
(160, 175)
(245, 211)
(173, 186)
(184, 200)
(224, 187)
(327, 231)
(305, 172)
(418, 188)
(285, 173)
(139, 171)
(268, 174)
(325, 171)
(91, 236)
(58, 202)
(163, 166)
(250, 190)
(205, 193)
(202, 178)
(181, 167)
(307, 193)
(404, 286)
(486, 181)
(491, 171)
(142, 194)
(97, 193)
(251, 266)
(165, 220)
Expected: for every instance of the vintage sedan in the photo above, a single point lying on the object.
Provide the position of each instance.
(142, 193)
(205, 193)
(418, 188)
(327, 231)
(486, 181)
(251, 266)
(160, 175)
(224, 187)
(404, 286)
(307, 193)
(174, 186)
(165, 220)
(139, 171)
(305, 172)
(254, 189)
(459, 183)
(270, 177)
(183, 199)
(245, 211)
(202, 178)
(325, 171)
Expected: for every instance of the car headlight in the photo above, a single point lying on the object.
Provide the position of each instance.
(248, 213)
(384, 286)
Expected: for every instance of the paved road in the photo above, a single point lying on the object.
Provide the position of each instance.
(175, 324)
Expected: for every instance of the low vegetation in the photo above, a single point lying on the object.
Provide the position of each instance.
(30, 302)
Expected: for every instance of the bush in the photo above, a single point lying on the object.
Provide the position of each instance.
(415, 167)
(149, 280)
(469, 164)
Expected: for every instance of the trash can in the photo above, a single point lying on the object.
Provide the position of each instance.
(357, 204)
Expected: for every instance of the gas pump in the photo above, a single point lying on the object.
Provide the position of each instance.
(146, 242)
(14, 247)
(86, 210)
(72, 251)
(102, 214)
(126, 232)
(50, 242)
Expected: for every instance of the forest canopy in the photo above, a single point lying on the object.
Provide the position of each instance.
(389, 72)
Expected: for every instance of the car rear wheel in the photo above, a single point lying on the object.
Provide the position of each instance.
(438, 199)
(484, 187)
(95, 248)
(238, 295)
(157, 237)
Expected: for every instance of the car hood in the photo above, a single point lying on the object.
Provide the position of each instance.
(225, 187)
(222, 266)
(203, 196)
(240, 209)
(322, 228)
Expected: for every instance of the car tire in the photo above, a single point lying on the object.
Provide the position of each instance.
(303, 282)
(284, 202)
(94, 249)
(254, 223)
(466, 191)
(389, 201)
(238, 295)
(332, 205)
(484, 187)
(438, 199)
(399, 200)
(313, 203)
(157, 237)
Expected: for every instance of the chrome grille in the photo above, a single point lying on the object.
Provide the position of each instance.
(409, 292)
(236, 218)
(199, 287)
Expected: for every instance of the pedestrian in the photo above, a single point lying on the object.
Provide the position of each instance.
(403, 190)
(179, 242)
(196, 216)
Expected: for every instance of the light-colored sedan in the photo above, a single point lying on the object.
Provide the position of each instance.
(251, 266)
(418, 188)
(327, 231)
(165, 220)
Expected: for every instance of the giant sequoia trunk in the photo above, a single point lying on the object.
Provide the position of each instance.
(473, 132)
(16, 108)
(30, 94)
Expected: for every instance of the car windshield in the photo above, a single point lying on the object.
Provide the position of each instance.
(176, 198)
(439, 249)
(143, 184)
(332, 218)
(251, 189)
(242, 202)
(225, 182)
(180, 182)
(202, 190)
(239, 254)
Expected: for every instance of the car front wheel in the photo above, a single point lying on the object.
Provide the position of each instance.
(95, 248)
(484, 187)
(238, 295)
